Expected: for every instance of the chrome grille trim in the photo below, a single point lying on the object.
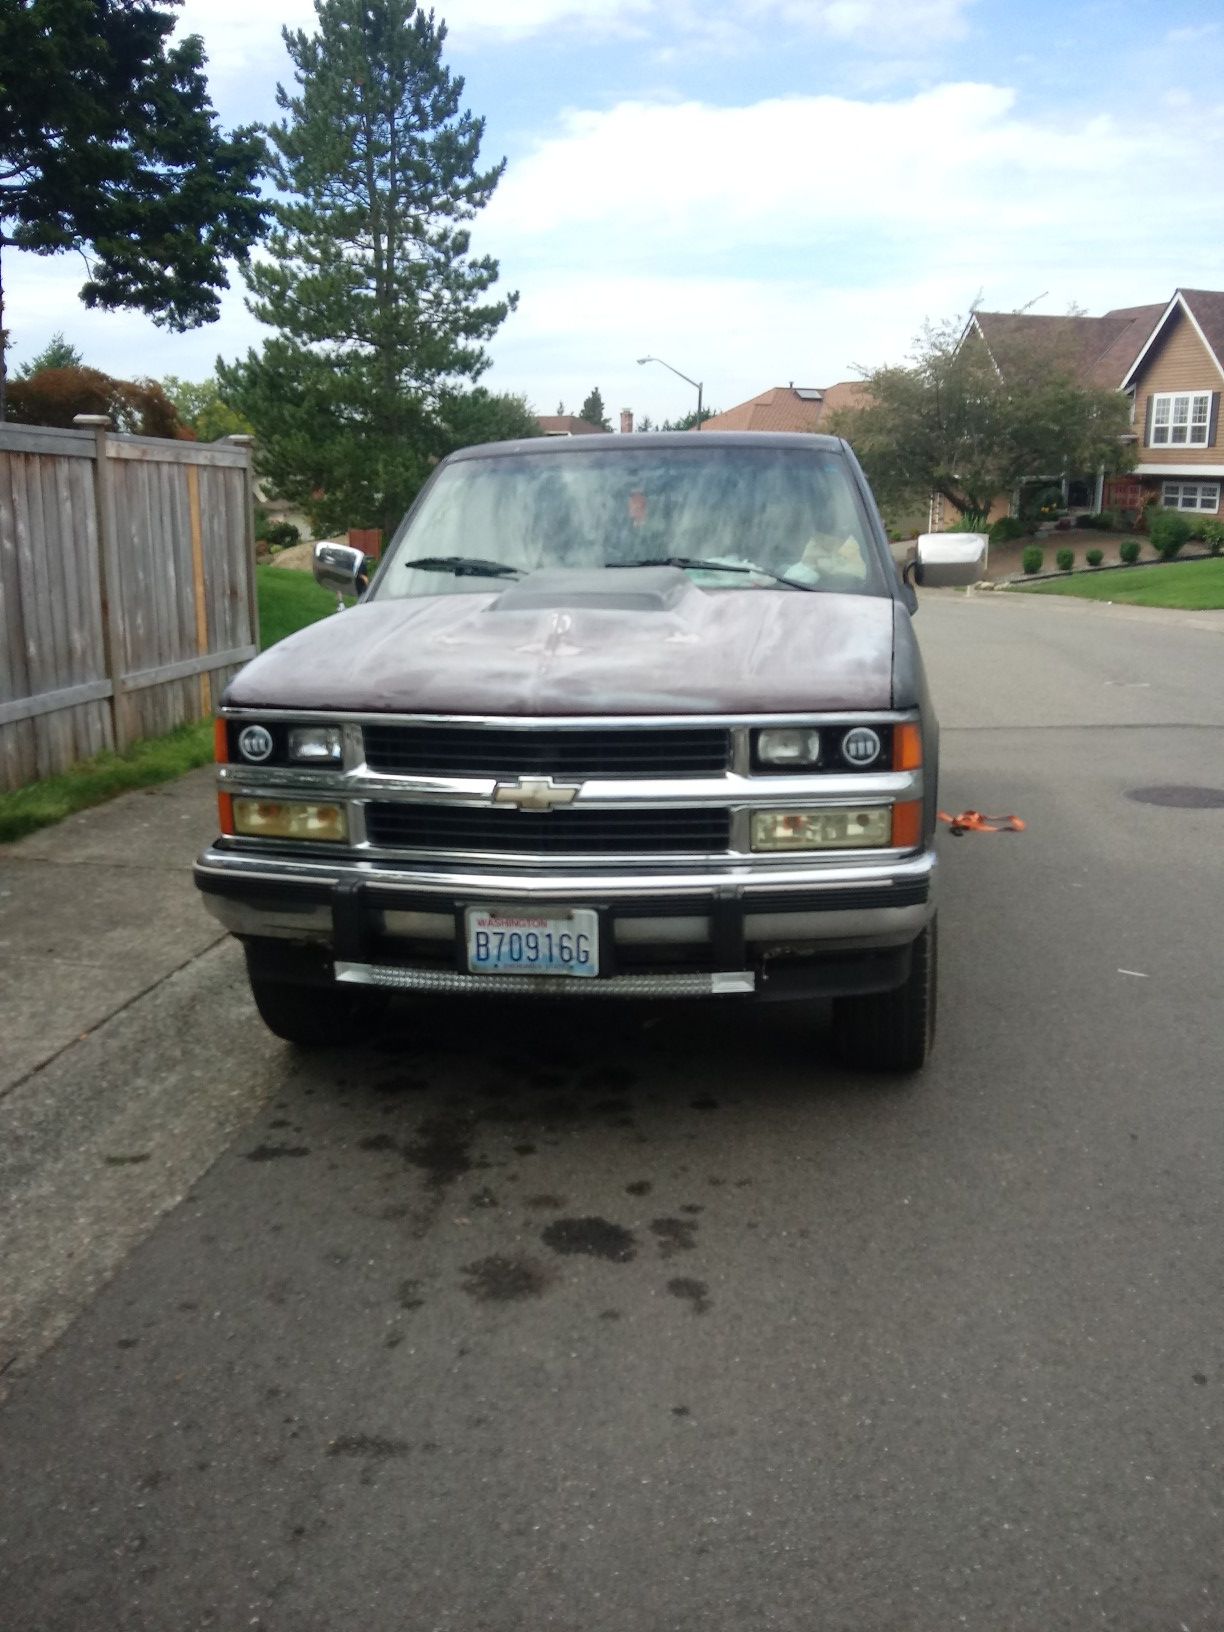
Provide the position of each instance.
(716, 983)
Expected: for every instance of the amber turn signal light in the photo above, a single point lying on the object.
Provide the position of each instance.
(220, 742)
(907, 825)
(907, 747)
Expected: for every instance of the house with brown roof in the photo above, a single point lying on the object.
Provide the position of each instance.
(1168, 359)
(788, 408)
(568, 425)
(1174, 382)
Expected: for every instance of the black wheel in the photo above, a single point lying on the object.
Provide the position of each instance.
(892, 1031)
(316, 1016)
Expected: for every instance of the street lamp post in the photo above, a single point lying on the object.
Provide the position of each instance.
(696, 383)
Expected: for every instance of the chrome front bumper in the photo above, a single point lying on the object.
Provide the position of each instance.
(679, 933)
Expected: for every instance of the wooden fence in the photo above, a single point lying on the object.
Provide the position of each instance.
(127, 588)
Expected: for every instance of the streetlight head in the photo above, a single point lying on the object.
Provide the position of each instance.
(645, 360)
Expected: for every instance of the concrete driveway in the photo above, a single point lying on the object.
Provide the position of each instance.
(594, 1321)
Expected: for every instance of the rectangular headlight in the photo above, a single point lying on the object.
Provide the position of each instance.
(821, 829)
(316, 744)
(788, 745)
(290, 819)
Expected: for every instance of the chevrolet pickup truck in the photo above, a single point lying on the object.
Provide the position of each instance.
(617, 717)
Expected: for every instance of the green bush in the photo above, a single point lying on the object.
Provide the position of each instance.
(1033, 559)
(1094, 557)
(968, 523)
(1065, 559)
(1168, 532)
(1129, 551)
(1104, 521)
(1213, 535)
(281, 535)
(1006, 529)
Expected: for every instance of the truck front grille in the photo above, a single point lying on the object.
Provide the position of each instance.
(557, 832)
(469, 750)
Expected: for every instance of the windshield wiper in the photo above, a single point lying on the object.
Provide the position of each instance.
(464, 566)
(692, 561)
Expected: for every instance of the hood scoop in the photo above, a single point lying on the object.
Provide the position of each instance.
(625, 589)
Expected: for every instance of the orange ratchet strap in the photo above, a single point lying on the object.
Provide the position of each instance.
(972, 821)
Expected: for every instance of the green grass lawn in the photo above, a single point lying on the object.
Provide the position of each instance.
(1192, 586)
(288, 600)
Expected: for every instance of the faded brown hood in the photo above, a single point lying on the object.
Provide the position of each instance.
(727, 651)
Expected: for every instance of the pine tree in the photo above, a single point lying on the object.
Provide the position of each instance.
(593, 410)
(380, 307)
(57, 353)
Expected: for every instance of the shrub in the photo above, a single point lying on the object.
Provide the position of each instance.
(1094, 557)
(1105, 521)
(1033, 559)
(1168, 532)
(280, 535)
(1065, 559)
(968, 523)
(1006, 529)
(1213, 535)
(1129, 551)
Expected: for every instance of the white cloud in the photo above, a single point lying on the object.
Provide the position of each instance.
(794, 238)
(790, 173)
(1191, 34)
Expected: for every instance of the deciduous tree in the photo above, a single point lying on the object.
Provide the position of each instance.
(109, 145)
(970, 425)
(54, 396)
(468, 417)
(203, 408)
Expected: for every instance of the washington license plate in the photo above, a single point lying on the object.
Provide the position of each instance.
(528, 943)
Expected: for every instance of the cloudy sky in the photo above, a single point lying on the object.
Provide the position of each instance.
(771, 190)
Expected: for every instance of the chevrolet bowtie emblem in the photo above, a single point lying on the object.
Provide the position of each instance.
(534, 793)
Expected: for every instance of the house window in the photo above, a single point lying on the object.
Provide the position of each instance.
(1191, 496)
(1180, 419)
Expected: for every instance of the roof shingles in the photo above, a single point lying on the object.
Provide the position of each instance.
(782, 408)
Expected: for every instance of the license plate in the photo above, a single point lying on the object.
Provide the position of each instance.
(505, 942)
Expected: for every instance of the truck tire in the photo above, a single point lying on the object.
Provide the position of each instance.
(316, 1016)
(892, 1031)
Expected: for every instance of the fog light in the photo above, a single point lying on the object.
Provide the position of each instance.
(861, 746)
(789, 745)
(255, 743)
(290, 819)
(821, 829)
(316, 744)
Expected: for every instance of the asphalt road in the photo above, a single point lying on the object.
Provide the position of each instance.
(606, 1320)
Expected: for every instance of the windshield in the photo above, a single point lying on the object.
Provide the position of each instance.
(792, 513)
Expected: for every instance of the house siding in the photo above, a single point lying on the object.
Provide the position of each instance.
(1179, 361)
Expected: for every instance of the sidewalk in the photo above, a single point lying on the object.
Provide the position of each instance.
(96, 911)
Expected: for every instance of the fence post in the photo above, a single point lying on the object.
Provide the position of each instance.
(109, 577)
(247, 443)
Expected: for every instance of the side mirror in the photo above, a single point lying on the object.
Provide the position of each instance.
(338, 567)
(948, 559)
